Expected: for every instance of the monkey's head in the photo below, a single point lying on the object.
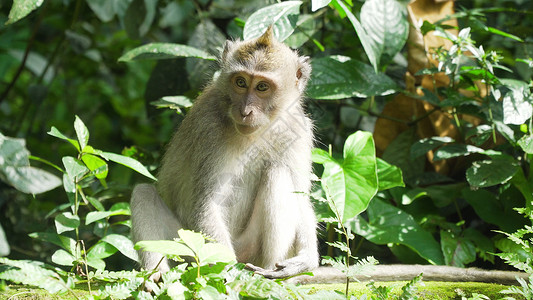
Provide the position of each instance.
(265, 77)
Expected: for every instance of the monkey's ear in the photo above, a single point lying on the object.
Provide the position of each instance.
(228, 45)
(267, 37)
(304, 72)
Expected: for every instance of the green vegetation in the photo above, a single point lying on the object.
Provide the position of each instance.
(452, 183)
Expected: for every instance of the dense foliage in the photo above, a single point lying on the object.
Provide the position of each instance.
(130, 69)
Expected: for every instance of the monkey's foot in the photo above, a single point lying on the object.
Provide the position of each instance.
(281, 271)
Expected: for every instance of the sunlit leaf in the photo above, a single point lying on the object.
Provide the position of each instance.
(455, 150)
(164, 51)
(128, 162)
(123, 244)
(22, 8)
(97, 165)
(318, 4)
(516, 109)
(16, 171)
(63, 258)
(165, 248)
(526, 143)
(211, 253)
(81, 132)
(55, 132)
(62, 241)
(353, 182)
(389, 176)
(66, 222)
(385, 22)
(193, 240)
(283, 15)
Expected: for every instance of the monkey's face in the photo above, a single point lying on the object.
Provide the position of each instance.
(252, 100)
(265, 77)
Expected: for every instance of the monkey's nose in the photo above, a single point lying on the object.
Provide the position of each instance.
(246, 112)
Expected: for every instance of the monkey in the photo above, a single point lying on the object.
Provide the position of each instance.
(238, 168)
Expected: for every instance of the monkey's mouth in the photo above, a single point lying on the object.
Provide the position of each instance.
(245, 129)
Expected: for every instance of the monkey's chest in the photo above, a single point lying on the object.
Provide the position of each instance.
(242, 183)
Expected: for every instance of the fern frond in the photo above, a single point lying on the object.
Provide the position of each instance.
(34, 274)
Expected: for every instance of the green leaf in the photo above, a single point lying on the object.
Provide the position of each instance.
(211, 253)
(29, 179)
(193, 240)
(165, 248)
(34, 274)
(173, 102)
(366, 42)
(389, 176)
(318, 4)
(81, 132)
(16, 171)
(455, 150)
(320, 156)
(139, 17)
(97, 263)
(526, 143)
(385, 22)
(97, 165)
(128, 162)
(66, 222)
(505, 34)
(516, 109)
(491, 210)
(457, 251)
(306, 27)
(63, 258)
(422, 146)
(164, 51)
(388, 224)
(339, 77)
(398, 153)
(487, 173)
(282, 15)
(103, 9)
(22, 8)
(118, 209)
(4, 245)
(123, 244)
(352, 183)
(74, 168)
(101, 250)
(64, 242)
(54, 132)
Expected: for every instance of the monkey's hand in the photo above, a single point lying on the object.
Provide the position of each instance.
(282, 270)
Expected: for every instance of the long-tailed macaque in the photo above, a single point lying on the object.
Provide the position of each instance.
(238, 169)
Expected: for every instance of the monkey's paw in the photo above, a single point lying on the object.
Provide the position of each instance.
(282, 270)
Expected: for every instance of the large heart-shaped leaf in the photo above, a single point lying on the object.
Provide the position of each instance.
(352, 182)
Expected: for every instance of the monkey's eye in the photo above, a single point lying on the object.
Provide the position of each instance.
(262, 86)
(240, 82)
